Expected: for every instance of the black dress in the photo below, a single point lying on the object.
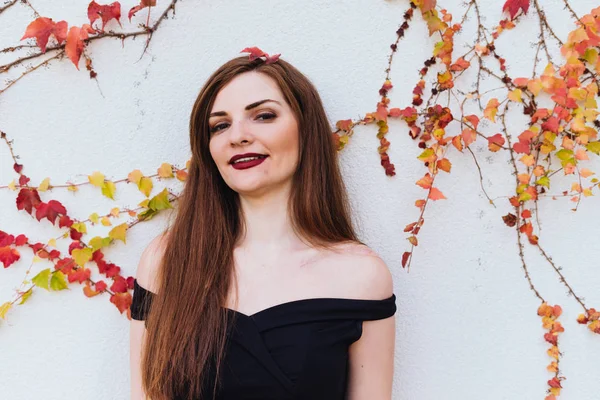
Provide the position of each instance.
(292, 351)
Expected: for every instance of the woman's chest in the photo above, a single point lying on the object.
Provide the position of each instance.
(293, 361)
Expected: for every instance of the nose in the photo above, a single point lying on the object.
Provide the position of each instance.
(239, 132)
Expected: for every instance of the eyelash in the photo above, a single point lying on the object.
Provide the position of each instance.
(215, 128)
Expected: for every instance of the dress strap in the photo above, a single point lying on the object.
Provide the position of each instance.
(323, 309)
(141, 301)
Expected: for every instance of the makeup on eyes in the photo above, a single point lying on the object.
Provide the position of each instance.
(268, 114)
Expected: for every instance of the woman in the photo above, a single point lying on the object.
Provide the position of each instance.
(260, 288)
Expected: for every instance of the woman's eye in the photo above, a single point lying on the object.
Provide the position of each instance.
(269, 115)
(263, 115)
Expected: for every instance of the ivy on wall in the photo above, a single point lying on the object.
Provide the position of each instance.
(560, 136)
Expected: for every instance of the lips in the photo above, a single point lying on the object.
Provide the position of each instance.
(249, 163)
(238, 156)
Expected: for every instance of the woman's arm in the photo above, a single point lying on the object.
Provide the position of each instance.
(145, 276)
(371, 358)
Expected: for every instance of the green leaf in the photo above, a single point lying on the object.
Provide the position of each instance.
(41, 279)
(544, 181)
(160, 201)
(564, 154)
(147, 215)
(25, 296)
(594, 147)
(57, 281)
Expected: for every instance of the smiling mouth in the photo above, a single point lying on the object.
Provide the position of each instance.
(248, 163)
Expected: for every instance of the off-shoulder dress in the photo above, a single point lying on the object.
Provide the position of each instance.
(291, 351)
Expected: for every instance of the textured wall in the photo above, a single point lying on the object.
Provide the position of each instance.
(466, 324)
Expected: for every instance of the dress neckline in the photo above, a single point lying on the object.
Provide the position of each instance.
(279, 308)
(287, 304)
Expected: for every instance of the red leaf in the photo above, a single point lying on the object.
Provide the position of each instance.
(100, 286)
(119, 285)
(65, 265)
(42, 28)
(6, 239)
(21, 240)
(23, 180)
(80, 275)
(405, 256)
(27, 199)
(50, 210)
(105, 12)
(513, 7)
(8, 255)
(143, 4)
(65, 221)
(255, 53)
(18, 168)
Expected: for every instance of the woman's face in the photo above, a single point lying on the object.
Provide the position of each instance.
(250, 115)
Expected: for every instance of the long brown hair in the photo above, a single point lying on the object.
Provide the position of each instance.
(187, 324)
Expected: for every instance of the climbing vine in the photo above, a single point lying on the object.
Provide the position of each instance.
(448, 114)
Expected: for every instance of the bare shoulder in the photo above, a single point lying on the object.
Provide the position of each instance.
(361, 272)
(150, 262)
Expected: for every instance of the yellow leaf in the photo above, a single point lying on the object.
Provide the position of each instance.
(72, 188)
(115, 211)
(94, 218)
(96, 179)
(108, 189)
(491, 109)
(79, 227)
(25, 296)
(52, 242)
(144, 203)
(81, 256)
(44, 185)
(97, 242)
(165, 170)
(145, 185)
(135, 176)
(4, 309)
(12, 185)
(515, 96)
(118, 232)
(36, 259)
(106, 221)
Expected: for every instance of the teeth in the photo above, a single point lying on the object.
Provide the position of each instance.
(245, 159)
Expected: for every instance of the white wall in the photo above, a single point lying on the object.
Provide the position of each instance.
(467, 326)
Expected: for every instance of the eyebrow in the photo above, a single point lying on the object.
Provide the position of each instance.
(248, 107)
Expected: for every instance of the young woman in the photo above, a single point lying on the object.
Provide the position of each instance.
(260, 288)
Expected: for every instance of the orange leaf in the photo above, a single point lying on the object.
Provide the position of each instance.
(143, 4)
(495, 142)
(75, 44)
(122, 301)
(435, 194)
(444, 164)
(42, 28)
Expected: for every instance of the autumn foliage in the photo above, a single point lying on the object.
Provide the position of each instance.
(560, 104)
